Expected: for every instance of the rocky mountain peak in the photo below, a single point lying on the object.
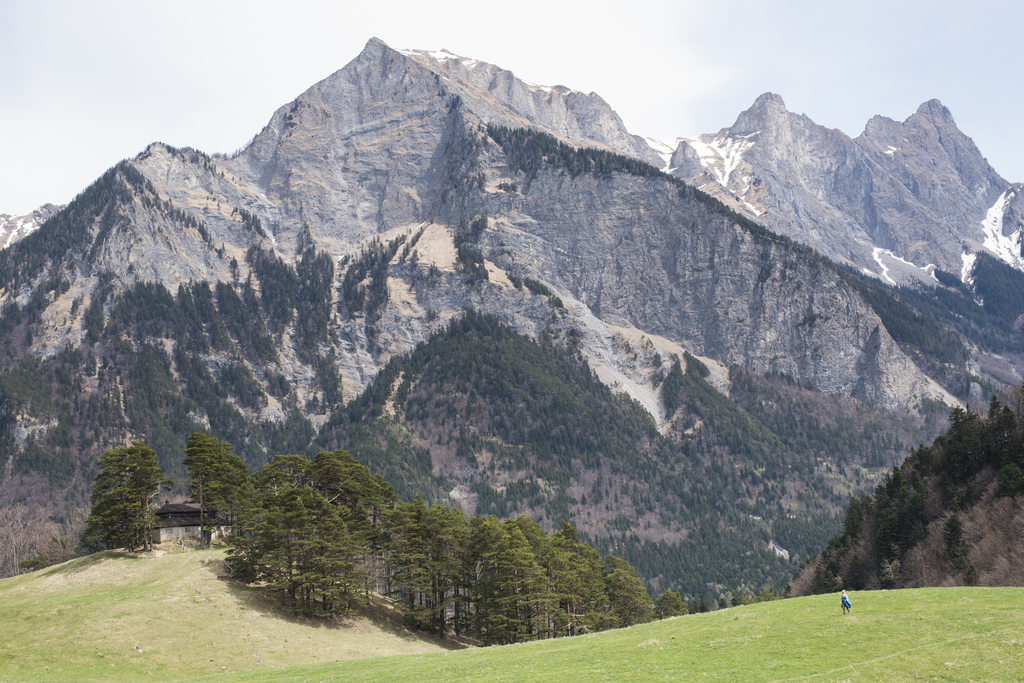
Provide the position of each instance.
(496, 95)
(768, 110)
(938, 112)
(897, 200)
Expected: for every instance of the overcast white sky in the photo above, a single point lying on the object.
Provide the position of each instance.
(86, 84)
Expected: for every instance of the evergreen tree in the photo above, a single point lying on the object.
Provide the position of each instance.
(670, 604)
(576, 578)
(519, 589)
(425, 556)
(298, 542)
(215, 472)
(122, 499)
(628, 600)
(490, 621)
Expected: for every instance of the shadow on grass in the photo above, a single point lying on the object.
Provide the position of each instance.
(381, 612)
(79, 564)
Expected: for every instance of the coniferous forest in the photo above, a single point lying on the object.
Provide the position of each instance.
(323, 533)
(948, 515)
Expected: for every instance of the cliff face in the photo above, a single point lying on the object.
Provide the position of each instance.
(637, 254)
(917, 190)
(395, 143)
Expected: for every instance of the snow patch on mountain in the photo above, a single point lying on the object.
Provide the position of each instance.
(664, 150)
(15, 228)
(753, 209)
(442, 56)
(967, 268)
(722, 155)
(1006, 248)
(876, 254)
(899, 264)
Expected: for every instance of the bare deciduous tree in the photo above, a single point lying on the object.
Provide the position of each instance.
(21, 535)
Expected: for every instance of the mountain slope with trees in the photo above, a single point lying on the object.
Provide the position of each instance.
(514, 426)
(949, 515)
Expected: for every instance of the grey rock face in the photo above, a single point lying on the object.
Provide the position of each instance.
(637, 255)
(496, 96)
(1013, 218)
(919, 189)
(685, 161)
(394, 144)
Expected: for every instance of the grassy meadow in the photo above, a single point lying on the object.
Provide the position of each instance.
(111, 617)
(87, 620)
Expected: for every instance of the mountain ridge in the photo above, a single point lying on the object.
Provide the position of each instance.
(912, 193)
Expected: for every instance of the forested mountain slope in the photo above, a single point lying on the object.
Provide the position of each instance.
(949, 515)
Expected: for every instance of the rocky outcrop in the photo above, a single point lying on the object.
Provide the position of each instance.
(916, 190)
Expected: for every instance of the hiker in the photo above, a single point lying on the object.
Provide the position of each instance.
(844, 601)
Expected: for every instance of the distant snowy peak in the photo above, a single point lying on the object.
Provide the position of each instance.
(898, 201)
(15, 228)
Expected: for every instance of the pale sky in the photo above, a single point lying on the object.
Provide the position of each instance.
(86, 84)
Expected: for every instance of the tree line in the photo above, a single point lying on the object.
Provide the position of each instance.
(326, 533)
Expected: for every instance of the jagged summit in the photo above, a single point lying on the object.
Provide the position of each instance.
(899, 200)
(497, 96)
(765, 110)
(936, 110)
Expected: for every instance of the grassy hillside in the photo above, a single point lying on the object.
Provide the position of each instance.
(953, 634)
(83, 620)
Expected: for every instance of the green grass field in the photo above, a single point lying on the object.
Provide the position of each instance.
(83, 621)
(88, 619)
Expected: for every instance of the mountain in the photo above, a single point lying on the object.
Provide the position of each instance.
(898, 200)
(14, 228)
(691, 389)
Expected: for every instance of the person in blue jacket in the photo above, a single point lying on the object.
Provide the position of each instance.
(844, 601)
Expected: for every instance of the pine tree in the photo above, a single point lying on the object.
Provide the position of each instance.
(122, 499)
(523, 588)
(576, 577)
(489, 621)
(670, 604)
(627, 597)
(215, 472)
